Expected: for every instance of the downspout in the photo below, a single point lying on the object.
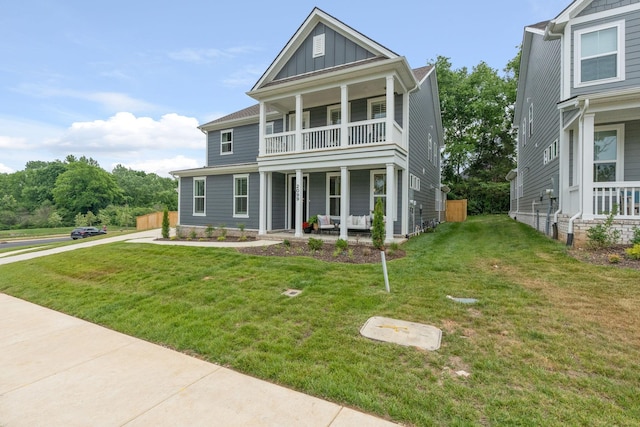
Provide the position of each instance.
(579, 214)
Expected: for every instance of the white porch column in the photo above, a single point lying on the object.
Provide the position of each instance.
(404, 221)
(586, 184)
(299, 191)
(261, 130)
(391, 201)
(269, 201)
(262, 215)
(298, 122)
(390, 109)
(344, 115)
(344, 201)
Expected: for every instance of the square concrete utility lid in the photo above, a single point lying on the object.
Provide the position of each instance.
(401, 332)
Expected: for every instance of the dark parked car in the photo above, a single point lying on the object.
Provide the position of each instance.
(82, 232)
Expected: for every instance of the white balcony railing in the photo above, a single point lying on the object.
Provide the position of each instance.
(624, 195)
(328, 137)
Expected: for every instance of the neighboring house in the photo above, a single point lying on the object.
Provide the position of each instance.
(341, 122)
(578, 119)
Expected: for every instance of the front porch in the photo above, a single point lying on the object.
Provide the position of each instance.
(602, 198)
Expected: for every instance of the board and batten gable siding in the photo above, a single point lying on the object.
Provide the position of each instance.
(422, 122)
(219, 202)
(542, 89)
(604, 5)
(632, 54)
(338, 51)
(632, 151)
(245, 146)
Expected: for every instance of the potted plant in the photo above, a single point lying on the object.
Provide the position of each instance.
(313, 222)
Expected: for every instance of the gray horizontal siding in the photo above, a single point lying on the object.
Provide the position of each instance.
(245, 146)
(632, 54)
(604, 5)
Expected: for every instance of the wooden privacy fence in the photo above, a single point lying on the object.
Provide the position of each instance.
(154, 220)
(456, 210)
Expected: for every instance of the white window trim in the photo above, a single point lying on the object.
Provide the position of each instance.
(267, 126)
(223, 153)
(372, 204)
(619, 128)
(306, 118)
(204, 197)
(372, 101)
(329, 196)
(523, 133)
(318, 45)
(235, 214)
(414, 182)
(577, 59)
(530, 128)
(430, 149)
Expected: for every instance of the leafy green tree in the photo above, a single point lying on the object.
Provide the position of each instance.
(85, 187)
(39, 180)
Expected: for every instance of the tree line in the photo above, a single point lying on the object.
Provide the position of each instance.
(477, 108)
(77, 191)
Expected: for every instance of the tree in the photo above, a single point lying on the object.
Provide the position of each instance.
(480, 145)
(377, 228)
(165, 223)
(84, 187)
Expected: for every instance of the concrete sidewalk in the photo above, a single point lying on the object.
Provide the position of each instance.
(57, 370)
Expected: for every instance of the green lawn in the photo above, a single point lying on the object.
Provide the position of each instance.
(551, 342)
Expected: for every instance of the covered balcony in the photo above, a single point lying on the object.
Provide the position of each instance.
(373, 112)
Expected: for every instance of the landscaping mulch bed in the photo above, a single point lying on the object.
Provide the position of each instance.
(355, 254)
(614, 256)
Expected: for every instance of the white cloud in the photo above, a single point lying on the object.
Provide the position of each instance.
(13, 143)
(162, 167)
(124, 133)
(6, 169)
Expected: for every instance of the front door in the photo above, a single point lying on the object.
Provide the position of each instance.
(293, 190)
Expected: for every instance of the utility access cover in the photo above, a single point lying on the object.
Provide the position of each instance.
(409, 334)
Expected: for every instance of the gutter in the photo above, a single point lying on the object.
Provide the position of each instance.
(584, 108)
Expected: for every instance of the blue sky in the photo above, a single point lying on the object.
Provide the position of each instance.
(129, 81)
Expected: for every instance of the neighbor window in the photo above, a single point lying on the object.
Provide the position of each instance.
(199, 191)
(607, 153)
(530, 119)
(226, 142)
(430, 149)
(334, 182)
(378, 189)
(241, 196)
(523, 132)
(599, 54)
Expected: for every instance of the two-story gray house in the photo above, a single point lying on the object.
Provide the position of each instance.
(578, 119)
(341, 121)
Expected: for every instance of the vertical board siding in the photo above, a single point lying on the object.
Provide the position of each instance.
(338, 51)
(542, 88)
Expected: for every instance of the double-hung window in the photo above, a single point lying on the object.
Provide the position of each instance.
(241, 196)
(599, 54)
(226, 142)
(199, 196)
(608, 150)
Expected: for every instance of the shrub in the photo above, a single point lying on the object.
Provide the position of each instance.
(634, 252)
(286, 243)
(193, 234)
(223, 232)
(377, 229)
(614, 259)
(315, 244)
(604, 235)
(165, 223)
(243, 236)
(342, 245)
(636, 236)
(209, 231)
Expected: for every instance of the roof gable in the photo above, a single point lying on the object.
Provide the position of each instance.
(343, 45)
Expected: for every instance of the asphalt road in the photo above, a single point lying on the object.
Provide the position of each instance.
(35, 242)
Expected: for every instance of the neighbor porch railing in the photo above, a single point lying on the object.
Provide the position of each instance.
(361, 133)
(624, 195)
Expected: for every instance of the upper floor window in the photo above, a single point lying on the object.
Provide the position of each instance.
(599, 54)
(226, 142)
(199, 191)
(377, 108)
